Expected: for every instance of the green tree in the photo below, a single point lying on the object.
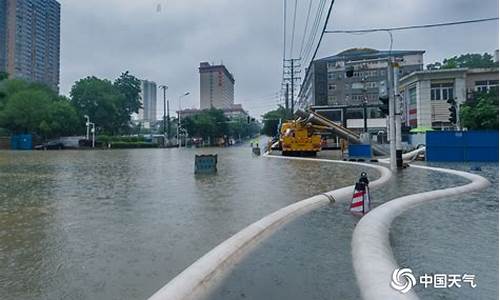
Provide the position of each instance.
(4, 75)
(38, 112)
(272, 119)
(130, 87)
(100, 100)
(64, 119)
(109, 105)
(242, 128)
(10, 87)
(26, 112)
(481, 112)
(35, 108)
(210, 123)
(469, 60)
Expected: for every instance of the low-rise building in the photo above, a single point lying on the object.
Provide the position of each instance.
(425, 93)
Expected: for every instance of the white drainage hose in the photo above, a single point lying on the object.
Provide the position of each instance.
(372, 255)
(197, 279)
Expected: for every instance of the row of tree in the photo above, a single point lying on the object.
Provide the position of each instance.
(35, 108)
(469, 60)
(271, 120)
(211, 124)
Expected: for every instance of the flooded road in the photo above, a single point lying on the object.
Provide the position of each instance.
(120, 224)
(310, 258)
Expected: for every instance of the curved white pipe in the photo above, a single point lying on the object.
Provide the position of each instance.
(372, 255)
(406, 156)
(199, 277)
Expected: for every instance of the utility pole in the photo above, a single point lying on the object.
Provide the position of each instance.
(292, 70)
(365, 115)
(392, 129)
(169, 130)
(292, 81)
(165, 135)
(397, 116)
(286, 99)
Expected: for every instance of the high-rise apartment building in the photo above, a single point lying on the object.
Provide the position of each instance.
(216, 87)
(3, 28)
(148, 101)
(30, 39)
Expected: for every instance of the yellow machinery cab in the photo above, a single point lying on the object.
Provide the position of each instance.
(300, 139)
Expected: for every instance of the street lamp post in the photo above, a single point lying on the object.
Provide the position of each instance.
(179, 119)
(93, 134)
(88, 124)
(365, 115)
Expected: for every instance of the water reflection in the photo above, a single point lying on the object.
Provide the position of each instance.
(119, 224)
(310, 258)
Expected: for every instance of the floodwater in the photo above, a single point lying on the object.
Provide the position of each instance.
(310, 258)
(119, 224)
(458, 235)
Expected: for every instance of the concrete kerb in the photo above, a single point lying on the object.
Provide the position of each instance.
(372, 254)
(200, 277)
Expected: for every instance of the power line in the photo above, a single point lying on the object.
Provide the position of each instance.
(284, 46)
(314, 29)
(305, 28)
(293, 28)
(323, 31)
(412, 26)
(284, 30)
(319, 43)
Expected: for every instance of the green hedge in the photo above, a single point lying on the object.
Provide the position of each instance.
(131, 145)
(105, 139)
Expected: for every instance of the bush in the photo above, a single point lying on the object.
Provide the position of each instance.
(132, 145)
(120, 139)
(105, 139)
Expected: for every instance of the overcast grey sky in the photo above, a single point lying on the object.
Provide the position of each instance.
(105, 37)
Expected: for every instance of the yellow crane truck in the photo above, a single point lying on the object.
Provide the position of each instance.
(298, 138)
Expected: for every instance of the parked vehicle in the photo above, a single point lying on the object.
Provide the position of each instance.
(51, 145)
(299, 139)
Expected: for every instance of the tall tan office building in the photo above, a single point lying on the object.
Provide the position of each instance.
(216, 87)
(30, 39)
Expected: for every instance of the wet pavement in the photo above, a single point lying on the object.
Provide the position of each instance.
(119, 224)
(310, 258)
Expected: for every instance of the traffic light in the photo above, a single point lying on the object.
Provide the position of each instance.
(384, 107)
(248, 119)
(349, 71)
(383, 96)
(453, 111)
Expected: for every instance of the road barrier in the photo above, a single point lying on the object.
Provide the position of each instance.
(197, 279)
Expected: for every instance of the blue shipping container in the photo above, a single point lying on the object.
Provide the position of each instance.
(21, 142)
(462, 146)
